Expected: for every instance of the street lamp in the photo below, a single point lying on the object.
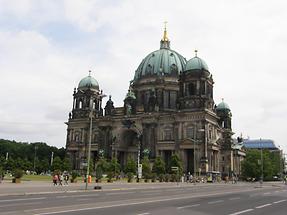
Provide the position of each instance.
(90, 143)
(194, 160)
(261, 181)
(35, 154)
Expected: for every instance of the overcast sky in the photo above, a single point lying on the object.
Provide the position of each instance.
(46, 47)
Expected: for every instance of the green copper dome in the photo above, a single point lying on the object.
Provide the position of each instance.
(162, 62)
(222, 106)
(196, 63)
(88, 82)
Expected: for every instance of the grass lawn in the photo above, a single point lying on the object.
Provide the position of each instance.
(37, 178)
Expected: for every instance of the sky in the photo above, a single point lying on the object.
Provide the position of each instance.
(47, 46)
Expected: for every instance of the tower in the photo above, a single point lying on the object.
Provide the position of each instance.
(196, 86)
(87, 102)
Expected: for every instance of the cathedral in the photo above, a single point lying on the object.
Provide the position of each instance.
(169, 108)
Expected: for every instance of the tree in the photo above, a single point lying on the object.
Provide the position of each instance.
(159, 166)
(175, 162)
(57, 164)
(131, 166)
(251, 166)
(67, 165)
(146, 170)
(22, 155)
(114, 167)
(103, 165)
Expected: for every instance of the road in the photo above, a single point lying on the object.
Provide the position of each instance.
(229, 199)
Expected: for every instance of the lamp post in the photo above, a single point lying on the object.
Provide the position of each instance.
(51, 161)
(194, 160)
(280, 164)
(261, 181)
(90, 143)
(35, 154)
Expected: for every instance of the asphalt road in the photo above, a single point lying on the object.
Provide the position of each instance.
(193, 199)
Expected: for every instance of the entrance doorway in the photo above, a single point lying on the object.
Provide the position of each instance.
(189, 161)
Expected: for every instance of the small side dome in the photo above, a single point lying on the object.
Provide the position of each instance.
(88, 82)
(222, 106)
(196, 63)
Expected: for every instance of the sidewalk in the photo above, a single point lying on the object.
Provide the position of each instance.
(42, 187)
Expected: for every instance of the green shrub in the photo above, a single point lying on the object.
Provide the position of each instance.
(159, 166)
(110, 176)
(153, 177)
(161, 177)
(130, 176)
(18, 173)
(131, 166)
(167, 177)
(74, 176)
(174, 178)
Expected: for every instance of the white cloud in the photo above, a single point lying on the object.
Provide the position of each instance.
(242, 42)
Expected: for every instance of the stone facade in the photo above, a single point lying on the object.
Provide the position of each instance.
(168, 109)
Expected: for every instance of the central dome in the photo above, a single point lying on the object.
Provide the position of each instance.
(162, 62)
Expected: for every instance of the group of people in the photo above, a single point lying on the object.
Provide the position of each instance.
(189, 177)
(60, 179)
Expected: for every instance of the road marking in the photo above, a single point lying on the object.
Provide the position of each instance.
(214, 202)
(235, 198)
(266, 193)
(119, 193)
(60, 209)
(17, 204)
(72, 196)
(188, 206)
(83, 199)
(263, 206)
(284, 200)
(27, 199)
(153, 191)
(241, 212)
(143, 214)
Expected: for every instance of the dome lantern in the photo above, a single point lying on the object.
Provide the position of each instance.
(165, 43)
(196, 63)
(222, 106)
(162, 62)
(88, 82)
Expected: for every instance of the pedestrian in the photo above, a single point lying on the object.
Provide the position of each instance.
(60, 179)
(55, 179)
(66, 179)
(191, 178)
(188, 177)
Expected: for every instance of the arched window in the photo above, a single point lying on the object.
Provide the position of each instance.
(191, 89)
(80, 104)
(190, 132)
(167, 133)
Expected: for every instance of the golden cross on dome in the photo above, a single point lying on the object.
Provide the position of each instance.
(165, 32)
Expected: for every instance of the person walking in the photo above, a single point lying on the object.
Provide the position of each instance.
(66, 179)
(55, 179)
(60, 179)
